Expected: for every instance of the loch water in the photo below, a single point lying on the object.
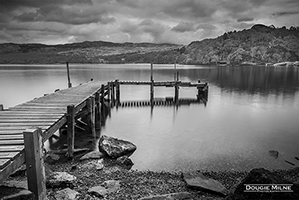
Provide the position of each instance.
(250, 111)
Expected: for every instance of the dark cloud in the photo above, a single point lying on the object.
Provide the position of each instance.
(184, 27)
(188, 9)
(245, 19)
(286, 13)
(181, 21)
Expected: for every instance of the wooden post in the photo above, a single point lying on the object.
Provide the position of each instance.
(36, 178)
(112, 94)
(1, 107)
(176, 93)
(91, 109)
(109, 100)
(152, 84)
(98, 111)
(175, 72)
(68, 75)
(102, 94)
(117, 92)
(70, 130)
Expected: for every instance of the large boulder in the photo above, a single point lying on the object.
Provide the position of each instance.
(115, 148)
(263, 184)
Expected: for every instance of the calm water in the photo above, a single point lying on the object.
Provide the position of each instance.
(250, 111)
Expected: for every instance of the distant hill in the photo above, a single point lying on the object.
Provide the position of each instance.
(84, 52)
(261, 44)
(258, 45)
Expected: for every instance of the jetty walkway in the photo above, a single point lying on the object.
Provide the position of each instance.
(25, 127)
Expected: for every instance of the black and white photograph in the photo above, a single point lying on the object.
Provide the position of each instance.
(149, 99)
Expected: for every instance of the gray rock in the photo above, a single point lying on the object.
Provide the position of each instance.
(115, 148)
(197, 181)
(67, 194)
(12, 193)
(125, 161)
(172, 196)
(273, 153)
(107, 187)
(52, 158)
(92, 155)
(17, 184)
(94, 164)
(60, 179)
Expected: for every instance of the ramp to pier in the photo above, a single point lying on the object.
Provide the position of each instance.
(47, 112)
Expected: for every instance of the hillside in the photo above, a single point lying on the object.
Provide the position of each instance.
(260, 45)
(85, 52)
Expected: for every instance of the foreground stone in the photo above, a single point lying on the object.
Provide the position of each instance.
(13, 193)
(106, 188)
(67, 194)
(197, 181)
(125, 161)
(115, 148)
(94, 164)
(92, 155)
(172, 196)
(263, 176)
(60, 179)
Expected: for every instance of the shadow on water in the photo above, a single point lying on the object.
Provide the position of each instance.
(84, 140)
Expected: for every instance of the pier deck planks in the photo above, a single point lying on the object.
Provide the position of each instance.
(47, 112)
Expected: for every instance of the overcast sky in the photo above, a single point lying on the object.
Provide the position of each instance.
(159, 21)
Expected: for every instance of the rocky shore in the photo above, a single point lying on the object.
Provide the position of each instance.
(104, 175)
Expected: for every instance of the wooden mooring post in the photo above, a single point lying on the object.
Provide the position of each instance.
(70, 130)
(68, 75)
(36, 177)
(1, 107)
(152, 84)
(117, 92)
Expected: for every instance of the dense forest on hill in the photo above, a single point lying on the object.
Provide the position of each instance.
(259, 45)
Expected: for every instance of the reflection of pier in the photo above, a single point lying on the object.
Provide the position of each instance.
(25, 127)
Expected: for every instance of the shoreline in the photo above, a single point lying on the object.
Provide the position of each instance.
(136, 184)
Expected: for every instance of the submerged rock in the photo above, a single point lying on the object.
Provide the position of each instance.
(172, 196)
(273, 153)
(197, 181)
(263, 176)
(115, 148)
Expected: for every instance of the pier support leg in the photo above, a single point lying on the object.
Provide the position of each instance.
(1, 107)
(109, 98)
(70, 130)
(117, 93)
(113, 94)
(97, 111)
(176, 94)
(91, 110)
(36, 177)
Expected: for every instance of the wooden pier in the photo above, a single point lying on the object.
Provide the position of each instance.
(25, 127)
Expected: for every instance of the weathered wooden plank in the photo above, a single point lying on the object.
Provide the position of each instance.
(10, 132)
(8, 155)
(11, 142)
(41, 109)
(33, 117)
(11, 148)
(12, 166)
(20, 127)
(50, 131)
(31, 112)
(25, 120)
(11, 137)
(3, 163)
(29, 123)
